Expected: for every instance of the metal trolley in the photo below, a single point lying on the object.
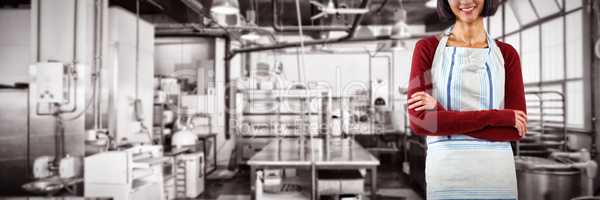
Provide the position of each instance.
(547, 126)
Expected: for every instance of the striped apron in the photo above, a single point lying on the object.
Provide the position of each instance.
(460, 166)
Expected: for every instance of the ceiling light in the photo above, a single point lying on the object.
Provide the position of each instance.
(225, 7)
(250, 36)
(330, 5)
(431, 4)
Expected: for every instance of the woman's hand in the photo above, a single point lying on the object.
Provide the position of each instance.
(421, 101)
(521, 122)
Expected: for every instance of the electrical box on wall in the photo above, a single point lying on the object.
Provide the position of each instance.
(49, 80)
(380, 80)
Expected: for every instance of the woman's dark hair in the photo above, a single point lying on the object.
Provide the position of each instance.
(445, 12)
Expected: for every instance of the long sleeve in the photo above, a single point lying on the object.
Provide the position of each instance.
(514, 97)
(440, 122)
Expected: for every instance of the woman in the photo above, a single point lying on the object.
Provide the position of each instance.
(466, 95)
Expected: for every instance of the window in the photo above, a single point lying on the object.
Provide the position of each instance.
(552, 50)
(496, 24)
(573, 4)
(511, 24)
(530, 55)
(552, 53)
(545, 7)
(523, 11)
(575, 104)
(575, 45)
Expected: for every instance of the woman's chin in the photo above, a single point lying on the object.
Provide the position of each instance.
(469, 19)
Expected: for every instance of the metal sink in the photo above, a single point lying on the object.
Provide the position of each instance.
(44, 186)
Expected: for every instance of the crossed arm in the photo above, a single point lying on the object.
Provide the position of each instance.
(493, 125)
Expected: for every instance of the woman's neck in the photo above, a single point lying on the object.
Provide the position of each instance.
(469, 34)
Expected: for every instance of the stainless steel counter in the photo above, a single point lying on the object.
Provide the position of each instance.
(328, 154)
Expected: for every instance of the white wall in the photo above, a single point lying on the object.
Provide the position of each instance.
(123, 74)
(14, 45)
(173, 51)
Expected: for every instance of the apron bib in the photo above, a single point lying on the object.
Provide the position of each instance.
(460, 166)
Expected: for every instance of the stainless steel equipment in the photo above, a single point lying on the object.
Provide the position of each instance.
(45, 187)
(51, 175)
(336, 153)
(541, 178)
(67, 167)
(133, 173)
(546, 123)
(70, 167)
(42, 167)
(189, 175)
(564, 175)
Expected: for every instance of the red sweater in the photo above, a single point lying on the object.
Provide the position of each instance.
(494, 125)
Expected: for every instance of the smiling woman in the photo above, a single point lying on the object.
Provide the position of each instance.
(466, 96)
(485, 8)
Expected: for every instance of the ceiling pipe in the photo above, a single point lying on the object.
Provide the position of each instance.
(280, 28)
(156, 4)
(349, 36)
(328, 41)
(357, 20)
(194, 5)
(204, 32)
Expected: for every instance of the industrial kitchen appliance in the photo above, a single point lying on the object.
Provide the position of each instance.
(129, 174)
(189, 175)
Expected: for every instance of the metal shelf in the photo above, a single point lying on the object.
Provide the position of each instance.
(305, 109)
(546, 122)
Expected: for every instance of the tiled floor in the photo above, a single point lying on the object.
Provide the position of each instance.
(393, 185)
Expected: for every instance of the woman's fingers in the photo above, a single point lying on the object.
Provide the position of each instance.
(519, 128)
(523, 115)
(520, 116)
(417, 97)
(424, 107)
(521, 120)
(522, 128)
(416, 104)
(421, 101)
(414, 99)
